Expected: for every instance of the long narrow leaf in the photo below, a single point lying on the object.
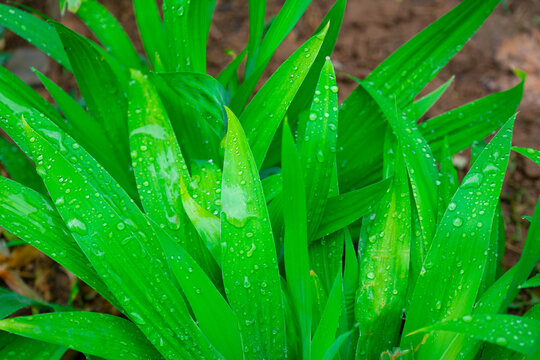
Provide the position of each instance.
(36, 31)
(384, 264)
(403, 74)
(122, 248)
(245, 228)
(96, 76)
(459, 248)
(13, 347)
(530, 153)
(344, 209)
(513, 332)
(109, 32)
(318, 145)
(160, 169)
(152, 32)
(98, 334)
(264, 113)
(296, 238)
(19, 167)
(32, 217)
(326, 331)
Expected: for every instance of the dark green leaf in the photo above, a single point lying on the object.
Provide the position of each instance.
(296, 255)
(344, 209)
(19, 166)
(194, 103)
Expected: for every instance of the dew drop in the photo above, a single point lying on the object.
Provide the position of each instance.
(457, 222)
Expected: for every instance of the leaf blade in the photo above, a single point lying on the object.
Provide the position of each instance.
(245, 228)
(97, 334)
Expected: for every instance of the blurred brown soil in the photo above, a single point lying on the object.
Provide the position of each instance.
(371, 31)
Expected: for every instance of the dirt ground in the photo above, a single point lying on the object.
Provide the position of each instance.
(371, 31)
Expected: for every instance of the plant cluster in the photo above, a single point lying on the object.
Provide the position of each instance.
(227, 225)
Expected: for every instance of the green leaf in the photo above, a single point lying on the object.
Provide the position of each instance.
(459, 248)
(500, 295)
(495, 251)
(421, 165)
(326, 330)
(384, 250)
(152, 32)
(264, 113)
(18, 96)
(87, 131)
(194, 103)
(333, 350)
(30, 216)
(11, 302)
(497, 298)
(407, 71)
(109, 32)
(305, 94)
(284, 22)
(122, 248)
(513, 332)
(19, 167)
(296, 255)
(342, 210)
(228, 77)
(214, 316)
(160, 169)
(272, 186)
(186, 25)
(13, 347)
(98, 334)
(471, 122)
(350, 286)
(449, 179)
(254, 295)
(531, 153)
(96, 76)
(162, 176)
(421, 106)
(326, 256)
(534, 352)
(532, 282)
(317, 143)
(257, 11)
(318, 299)
(36, 31)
